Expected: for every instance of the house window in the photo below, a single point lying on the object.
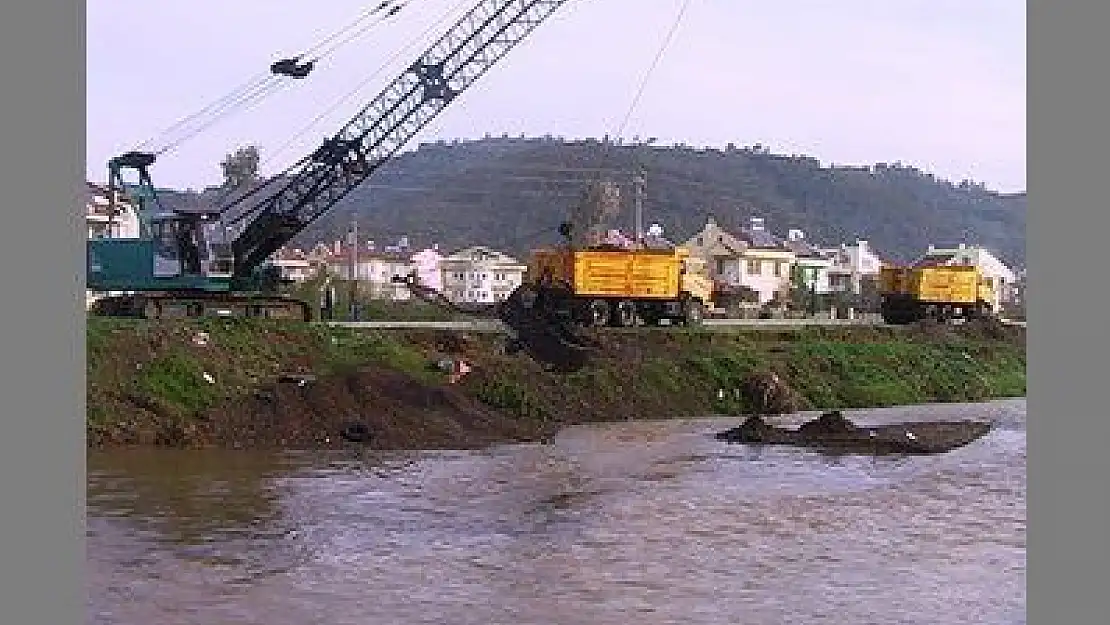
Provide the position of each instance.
(753, 267)
(777, 267)
(720, 266)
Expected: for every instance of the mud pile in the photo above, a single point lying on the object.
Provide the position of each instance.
(553, 342)
(985, 329)
(372, 406)
(834, 433)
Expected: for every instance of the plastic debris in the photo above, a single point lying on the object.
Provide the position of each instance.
(460, 369)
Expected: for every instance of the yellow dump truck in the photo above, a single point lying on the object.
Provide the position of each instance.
(941, 292)
(621, 287)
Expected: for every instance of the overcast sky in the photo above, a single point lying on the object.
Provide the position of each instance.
(939, 84)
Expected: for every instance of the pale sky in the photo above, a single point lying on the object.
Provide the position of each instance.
(938, 84)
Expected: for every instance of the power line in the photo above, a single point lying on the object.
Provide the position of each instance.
(361, 85)
(266, 84)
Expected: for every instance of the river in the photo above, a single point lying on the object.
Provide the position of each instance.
(644, 522)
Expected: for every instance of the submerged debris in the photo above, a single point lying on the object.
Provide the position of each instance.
(356, 432)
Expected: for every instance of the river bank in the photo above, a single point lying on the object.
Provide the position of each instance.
(256, 384)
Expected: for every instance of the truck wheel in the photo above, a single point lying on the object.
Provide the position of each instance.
(597, 313)
(895, 316)
(693, 313)
(626, 314)
(152, 309)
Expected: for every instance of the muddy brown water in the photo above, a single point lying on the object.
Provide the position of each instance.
(652, 522)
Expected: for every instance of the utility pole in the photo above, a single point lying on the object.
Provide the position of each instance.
(351, 305)
(639, 182)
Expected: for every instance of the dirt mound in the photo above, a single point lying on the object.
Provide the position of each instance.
(374, 406)
(550, 341)
(833, 433)
(992, 329)
(985, 329)
(833, 422)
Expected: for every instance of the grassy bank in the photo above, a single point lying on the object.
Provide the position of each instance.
(162, 383)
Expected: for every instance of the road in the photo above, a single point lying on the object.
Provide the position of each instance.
(497, 326)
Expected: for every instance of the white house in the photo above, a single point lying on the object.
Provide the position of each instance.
(479, 275)
(294, 264)
(1002, 278)
(374, 269)
(811, 267)
(852, 266)
(100, 223)
(752, 258)
(426, 263)
(1017, 293)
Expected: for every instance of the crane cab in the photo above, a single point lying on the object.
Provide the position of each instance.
(188, 251)
(190, 245)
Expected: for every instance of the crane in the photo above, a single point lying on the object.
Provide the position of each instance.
(191, 263)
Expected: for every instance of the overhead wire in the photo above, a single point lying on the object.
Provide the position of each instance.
(361, 85)
(364, 15)
(244, 103)
(651, 68)
(231, 96)
(393, 9)
(320, 117)
(273, 84)
(266, 84)
(637, 97)
(607, 149)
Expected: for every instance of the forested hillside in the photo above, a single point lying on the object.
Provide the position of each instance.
(512, 193)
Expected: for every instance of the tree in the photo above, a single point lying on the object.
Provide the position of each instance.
(240, 167)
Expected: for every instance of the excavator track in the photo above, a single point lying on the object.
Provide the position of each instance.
(195, 305)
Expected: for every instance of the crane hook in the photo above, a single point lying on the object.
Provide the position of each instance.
(289, 67)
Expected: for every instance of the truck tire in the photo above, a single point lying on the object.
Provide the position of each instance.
(901, 313)
(626, 314)
(597, 313)
(981, 311)
(894, 317)
(152, 309)
(693, 313)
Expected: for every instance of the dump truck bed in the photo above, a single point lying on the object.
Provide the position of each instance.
(947, 284)
(629, 274)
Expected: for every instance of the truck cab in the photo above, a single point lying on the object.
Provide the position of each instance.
(695, 279)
